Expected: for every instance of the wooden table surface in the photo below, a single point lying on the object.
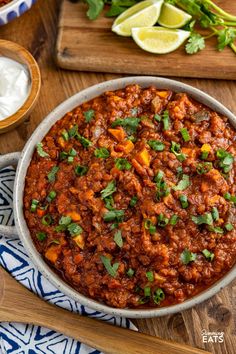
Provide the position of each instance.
(36, 30)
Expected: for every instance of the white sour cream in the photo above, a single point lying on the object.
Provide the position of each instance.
(14, 86)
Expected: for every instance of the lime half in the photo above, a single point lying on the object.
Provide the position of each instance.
(159, 40)
(172, 17)
(143, 14)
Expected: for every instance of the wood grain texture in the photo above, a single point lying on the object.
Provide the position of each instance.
(91, 45)
(97, 334)
(37, 30)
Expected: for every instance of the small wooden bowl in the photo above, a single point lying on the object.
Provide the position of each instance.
(18, 53)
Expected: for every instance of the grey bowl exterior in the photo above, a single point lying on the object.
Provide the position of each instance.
(23, 164)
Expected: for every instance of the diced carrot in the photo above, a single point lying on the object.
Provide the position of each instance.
(61, 142)
(143, 157)
(78, 258)
(119, 134)
(79, 240)
(41, 212)
(189, 152)
(127, 146)
(159, 278)
(163, 94)
(204, 186)
(52, 253)
(74, 215)
(116, 98)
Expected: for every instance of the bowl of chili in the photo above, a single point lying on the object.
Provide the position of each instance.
(124, 197)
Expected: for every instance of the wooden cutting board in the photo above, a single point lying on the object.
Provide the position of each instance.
(91, 46)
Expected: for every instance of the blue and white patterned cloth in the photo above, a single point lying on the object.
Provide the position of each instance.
(27, 339)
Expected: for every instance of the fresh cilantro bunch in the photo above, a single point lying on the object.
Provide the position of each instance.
(211, 17)
(116, 7)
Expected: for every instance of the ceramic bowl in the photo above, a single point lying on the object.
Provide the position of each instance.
(16, 52)
(14, 9)
(24, 159)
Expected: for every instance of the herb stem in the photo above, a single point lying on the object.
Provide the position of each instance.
(224, 14)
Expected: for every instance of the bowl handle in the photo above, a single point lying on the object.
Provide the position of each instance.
(7, 160)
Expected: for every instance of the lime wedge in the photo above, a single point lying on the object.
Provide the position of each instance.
(143, 14)
(172, 17)
(159, 40)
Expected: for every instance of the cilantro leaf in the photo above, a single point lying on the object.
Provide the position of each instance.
(195, 43)
(187, 256)
(95, 8)
(225, 37)
(109, 190)
(52, 174)
(118, 238)
(111, 269)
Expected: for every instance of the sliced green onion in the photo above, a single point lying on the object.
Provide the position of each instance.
(157, 117)
(215, 214)
(208, 255)
(81, 170)
(41, 236)
(63, 155)
(158, 296)
(122, 164)
(149, 226)
(70, 159)
(204, 155)
(52, 195)
(130, 272)
(162, 220)
(166, 120)
(215, 229)
(175, 148)
(227, 196)
(40, 150)
(133, 201)
(65, 135)
(34, 204)
(229, 227)
(204, 167)
(74, 229)
(102, 153)
(46, 220)
(173, 220)
(150, 276)
(156, 145)
(185, 134)
(184, 201)
(72, 152)
(147, 291)
(159, 176)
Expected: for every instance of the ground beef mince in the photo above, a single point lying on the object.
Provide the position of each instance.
(131, 197)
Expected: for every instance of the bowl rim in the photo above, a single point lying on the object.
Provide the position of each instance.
(25, 158)
(35, 84)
